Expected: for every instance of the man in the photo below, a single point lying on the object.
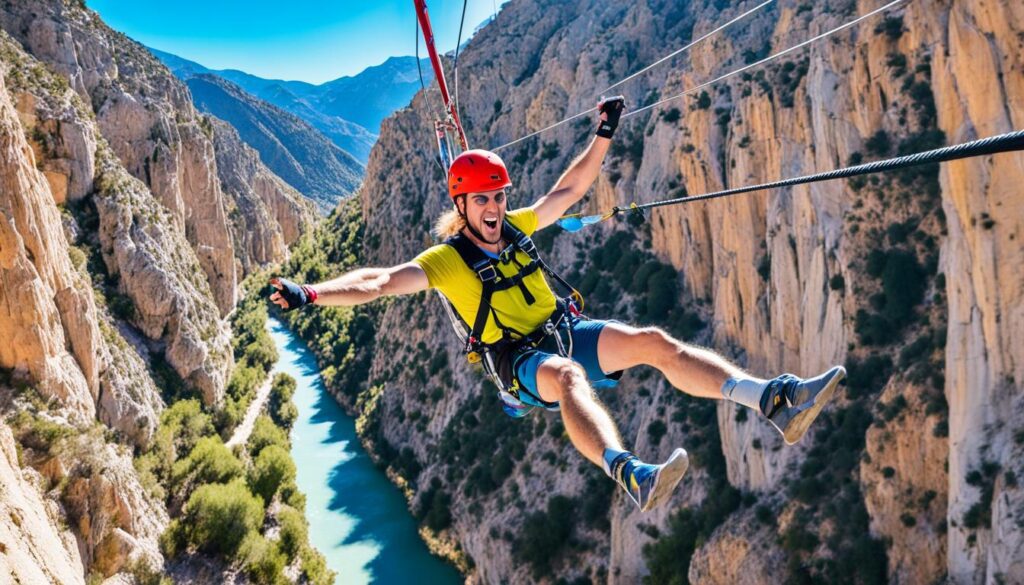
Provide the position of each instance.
(519, 319)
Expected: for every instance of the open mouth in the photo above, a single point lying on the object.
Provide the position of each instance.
(491, 223)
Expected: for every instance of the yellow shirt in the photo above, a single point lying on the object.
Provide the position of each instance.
(448, 273)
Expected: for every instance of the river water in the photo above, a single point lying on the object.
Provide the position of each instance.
(357, 518)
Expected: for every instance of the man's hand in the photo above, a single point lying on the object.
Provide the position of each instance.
(611, 110)
(290, 295)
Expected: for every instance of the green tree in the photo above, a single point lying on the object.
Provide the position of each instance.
(294, 531)
(263, 560)
(209, 462)
(219, 516)
(264, 434)
(272, 469)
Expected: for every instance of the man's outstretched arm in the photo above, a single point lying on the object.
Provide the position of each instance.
(581, 174)
(352, 288)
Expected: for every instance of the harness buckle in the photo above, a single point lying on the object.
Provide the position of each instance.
(473, 357)
(525, 243)
(486, 272)
(549, 327)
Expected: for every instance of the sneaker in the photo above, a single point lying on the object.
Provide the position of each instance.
(648, 485)
(792, 404)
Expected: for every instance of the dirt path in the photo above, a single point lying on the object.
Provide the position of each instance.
(242, 432)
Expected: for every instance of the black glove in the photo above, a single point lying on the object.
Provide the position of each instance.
(612, 107)
(295, 295)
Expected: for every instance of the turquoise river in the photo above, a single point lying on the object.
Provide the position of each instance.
(357, 518)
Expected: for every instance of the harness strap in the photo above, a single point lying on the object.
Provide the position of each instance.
(493, 281)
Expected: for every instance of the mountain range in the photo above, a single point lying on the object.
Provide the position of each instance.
(295, 151)
(348, 110)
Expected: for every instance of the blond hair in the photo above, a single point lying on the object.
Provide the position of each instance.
(449, 224)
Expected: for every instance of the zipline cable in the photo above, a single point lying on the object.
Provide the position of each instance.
(766, 59)
(991, 145)
(457, 47)
(634, 75)
(687, 47)
(717, 79)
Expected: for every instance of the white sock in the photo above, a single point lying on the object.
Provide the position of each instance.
(745, 391)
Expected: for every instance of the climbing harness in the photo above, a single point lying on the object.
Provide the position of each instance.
(498, 359)
(1009, 142)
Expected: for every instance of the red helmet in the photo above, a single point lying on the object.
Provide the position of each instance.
(476, 171)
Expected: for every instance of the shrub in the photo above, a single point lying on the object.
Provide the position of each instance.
(283, 387)
(244, 381)
(837, 282)
(286, 415)
(264, 434)
(704, 101)
(549, 151)
(282, 409)
(879, 143)
(545, 534)
(314, 567)
(209, 462)
(263, 560)
(219, 516)
(891, 27)
(671, 116)
(294, 531)
(39, 434)
(903, 282)
(656, 430)
(181, 426)
(272, 469)
(435, 507)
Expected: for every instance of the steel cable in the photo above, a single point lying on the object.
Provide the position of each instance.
(1011, 141)
(635, 74)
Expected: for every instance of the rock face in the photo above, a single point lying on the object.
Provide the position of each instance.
(159, 273)
(115, 520)
(146, 116)
(905, 488)
(743, 553)
(979, 92)
(35, 549)
(109, 280)
(290, 147)
(267, 214)
(784, 280)
(48, 312)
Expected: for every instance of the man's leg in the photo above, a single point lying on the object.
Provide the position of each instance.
(593, 433)
(692, 369)
(790, 403)
(590, 427)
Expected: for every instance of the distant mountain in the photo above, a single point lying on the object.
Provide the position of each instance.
(289, 146)
(375, 93)
(348, 110)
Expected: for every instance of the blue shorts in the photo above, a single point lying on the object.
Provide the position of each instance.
(585, 334)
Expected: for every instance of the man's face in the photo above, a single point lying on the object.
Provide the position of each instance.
(485, 212)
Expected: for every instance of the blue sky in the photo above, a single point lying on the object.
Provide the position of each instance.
(307, 40)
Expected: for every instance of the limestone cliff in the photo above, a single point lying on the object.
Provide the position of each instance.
(35, 548)
(48, 307)
(266, 214)
(146, 116)
(910, 272)
(119, 254)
